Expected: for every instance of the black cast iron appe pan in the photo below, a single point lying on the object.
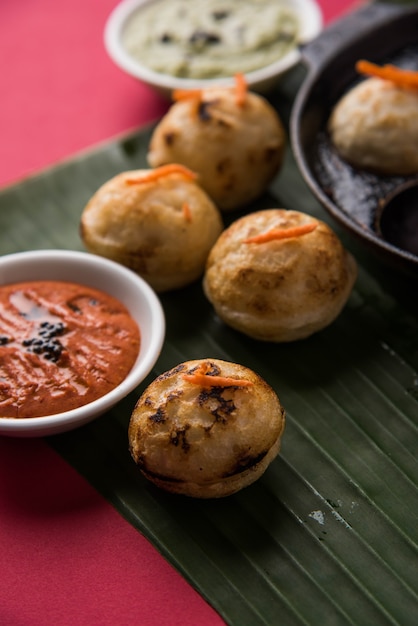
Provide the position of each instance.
(381, 33)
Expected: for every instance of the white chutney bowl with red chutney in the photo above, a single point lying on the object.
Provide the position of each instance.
(78, 333)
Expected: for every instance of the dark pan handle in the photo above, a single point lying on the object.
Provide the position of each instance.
(346, 30)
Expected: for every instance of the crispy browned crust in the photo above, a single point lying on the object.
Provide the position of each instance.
(143, 226)
(206, 442)
(236, 150)
(281, 290)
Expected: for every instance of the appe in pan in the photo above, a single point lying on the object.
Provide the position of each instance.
(374, 126)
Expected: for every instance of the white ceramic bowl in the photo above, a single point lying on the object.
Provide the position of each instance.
(261, 80)
(108, 276)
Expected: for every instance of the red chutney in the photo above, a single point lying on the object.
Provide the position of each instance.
(62, 345)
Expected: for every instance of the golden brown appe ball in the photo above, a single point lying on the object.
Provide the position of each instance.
(375, 127)
(236, 145)
(206, 428)
(159, 223)
(278, 275)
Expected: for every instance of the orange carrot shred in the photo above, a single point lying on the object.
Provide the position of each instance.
(282, 233)
(186, 212)
(187, 94)
(216, 381)
(240, 89)
(200, 377)
(403, 78)
(165, 170)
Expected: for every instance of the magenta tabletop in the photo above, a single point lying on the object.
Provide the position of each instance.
(67, 556)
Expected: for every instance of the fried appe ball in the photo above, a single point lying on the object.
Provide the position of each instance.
(278, 275)
(159, 223)
(206, 428)
(235, 147)
(375, 127)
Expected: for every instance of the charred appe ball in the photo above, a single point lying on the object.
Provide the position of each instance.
(206, 428)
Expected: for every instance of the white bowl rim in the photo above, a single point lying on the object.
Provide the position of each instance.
(309, 12)
(139, 371)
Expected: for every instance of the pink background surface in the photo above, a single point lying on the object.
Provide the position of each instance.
(67, 557)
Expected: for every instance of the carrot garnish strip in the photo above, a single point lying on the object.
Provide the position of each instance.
(186, 94)
(160, 172)
(240, 89)
(216, 381)
(186, 212)
(282, 233)
(200, 377)
(398, 76)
